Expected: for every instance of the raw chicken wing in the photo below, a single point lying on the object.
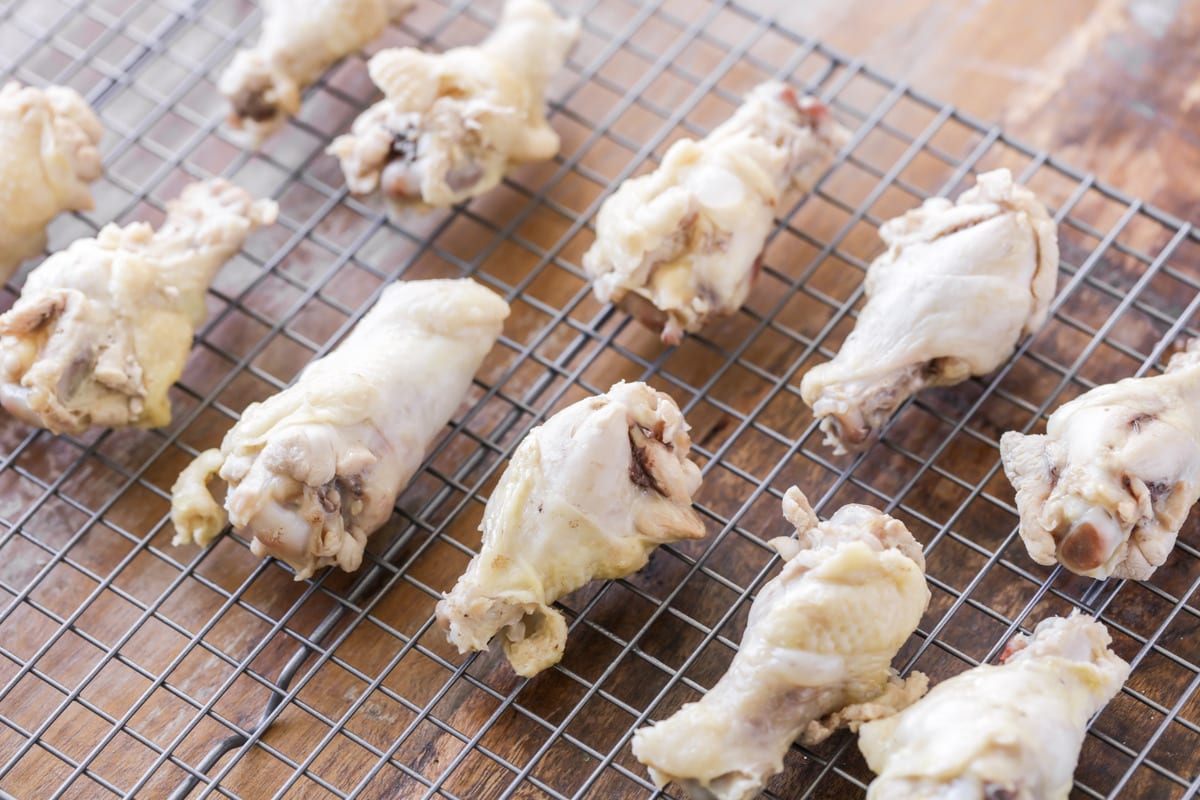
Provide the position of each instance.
(683, 244)
(102, 329)
(48, 155)
(1105, 490)
(586, 496)
(958, 286)
(816, 655)
(1010, 732)
(452, 124)
(299, 42)
(315, 469)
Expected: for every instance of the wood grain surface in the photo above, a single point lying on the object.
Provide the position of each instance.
(128, 659)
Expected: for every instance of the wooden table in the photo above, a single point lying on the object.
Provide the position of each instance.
(1109, 86)
(144, 648)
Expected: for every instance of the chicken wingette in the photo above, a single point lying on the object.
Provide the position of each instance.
(49, 153)
(958, 286)
(299, 42)
(102, 329)
(314, 470)
(816, 655)
(683, 244)
(452, 124)
(586, 496)
(1105, 490)
(1011, 731)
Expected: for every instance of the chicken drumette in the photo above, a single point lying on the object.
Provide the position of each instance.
(299, 42)
(315, 469)
(816, 655)
(587, 495)
(958, 286)
(48, 155)
(103, 328)
(682, 244)
(1105, 490)
(452, 124)
(1012, 731)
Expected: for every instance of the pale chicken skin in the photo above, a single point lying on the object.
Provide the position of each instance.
(314, 470)
(49, 153)
(586, 496)
(102, 329)
(683, 244)
(815, 656)
(958, 286)
(452, 124)
(299, 42)
(1105, 490)
(1012, 731)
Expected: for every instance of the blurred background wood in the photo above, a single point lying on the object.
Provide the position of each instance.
(1112, 86)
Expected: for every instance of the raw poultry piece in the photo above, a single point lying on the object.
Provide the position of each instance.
(815, 656)
(102, 329)
(49, 153)
(452, 124)
(683, 244)
(1105, 490)
(1008, 732)
(586, 496)
(314, 470)
(299, 42)
(959, 284)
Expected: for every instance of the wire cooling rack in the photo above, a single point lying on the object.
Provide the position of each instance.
(135, 669)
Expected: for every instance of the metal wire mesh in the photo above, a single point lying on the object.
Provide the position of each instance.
(132, 668)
